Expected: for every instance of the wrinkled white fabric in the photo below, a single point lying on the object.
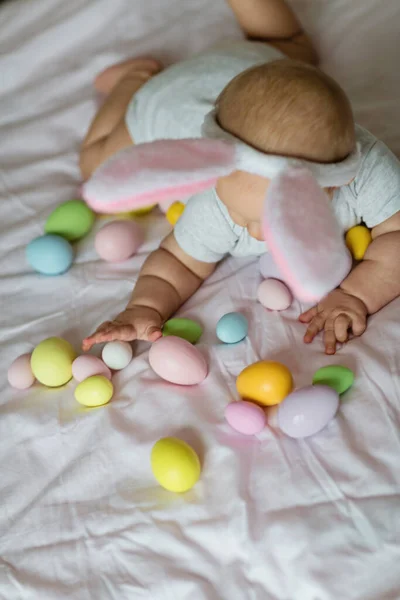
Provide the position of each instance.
(272, 518)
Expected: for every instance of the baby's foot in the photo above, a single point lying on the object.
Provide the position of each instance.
(145, 68)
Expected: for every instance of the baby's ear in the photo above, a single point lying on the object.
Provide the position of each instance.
(303, 235)
(158, 171)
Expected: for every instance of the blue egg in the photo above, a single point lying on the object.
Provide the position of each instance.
(232, 328)
(49, 254)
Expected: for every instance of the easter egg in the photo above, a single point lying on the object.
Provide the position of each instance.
(274, 295)
(175, 464)
(232, 328)
(20, 374)
(307, 410)
(358, 239)
(335, 376)
(140, 212)
(184, 328)
(245, 417)
(178, 361)
(119, 240)
(94, 391)
(49, 254)
(87, 365)
(266, 382)
(51, 361)
(174, 212)
(117, 355)
(71, 220)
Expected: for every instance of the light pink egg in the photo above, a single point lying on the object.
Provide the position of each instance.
(274, 294)
(308, 410)
(119, 240)
(20, 374)
(178, 361)
(86, 366)
(245, 417)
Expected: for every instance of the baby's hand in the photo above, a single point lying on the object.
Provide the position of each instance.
(336, 314)
(135, 323)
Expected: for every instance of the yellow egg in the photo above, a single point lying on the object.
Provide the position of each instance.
(175, 464)
(94, 391)
(51, 361)
(174, 212)
(265, 382)
(128, 215)
(357, 240)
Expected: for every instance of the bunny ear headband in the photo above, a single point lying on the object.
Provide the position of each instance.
(298, 222)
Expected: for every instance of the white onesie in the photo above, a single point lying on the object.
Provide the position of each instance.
(173, 104)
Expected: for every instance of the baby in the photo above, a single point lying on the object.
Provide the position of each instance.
(269, 95)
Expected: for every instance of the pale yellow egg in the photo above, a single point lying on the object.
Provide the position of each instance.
(175, 464)
(51, 362)
(94, 391)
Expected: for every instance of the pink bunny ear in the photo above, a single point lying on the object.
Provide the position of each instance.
(303, 236)
(163, 170)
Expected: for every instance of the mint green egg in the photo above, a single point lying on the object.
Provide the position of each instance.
(335, 376)
(71, 220)
(184, 328)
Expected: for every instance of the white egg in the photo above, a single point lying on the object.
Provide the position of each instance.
(117, 355)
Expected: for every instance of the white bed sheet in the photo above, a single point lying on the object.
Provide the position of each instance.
(272, 518)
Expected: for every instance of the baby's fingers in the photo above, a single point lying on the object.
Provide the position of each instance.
(110, 332)
(316, 325)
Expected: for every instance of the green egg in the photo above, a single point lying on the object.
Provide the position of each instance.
(184, 328)
(71, 220)
(335, 376)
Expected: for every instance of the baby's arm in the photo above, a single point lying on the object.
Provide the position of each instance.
(167, 279)
(369, 287)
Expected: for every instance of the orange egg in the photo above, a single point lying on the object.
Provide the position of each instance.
(266, 382)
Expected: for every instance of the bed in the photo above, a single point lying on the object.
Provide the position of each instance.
(272, 518)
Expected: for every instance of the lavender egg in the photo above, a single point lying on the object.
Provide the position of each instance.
(307, 411)
(178, 361)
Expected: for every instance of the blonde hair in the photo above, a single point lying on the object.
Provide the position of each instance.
(289, 108)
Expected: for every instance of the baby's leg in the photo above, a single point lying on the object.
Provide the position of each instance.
(108, 133)
(274, 22)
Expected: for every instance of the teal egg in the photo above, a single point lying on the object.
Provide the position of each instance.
(184, 328)
(335, 376)
(71, 220)
(49, 254)
(232, 328)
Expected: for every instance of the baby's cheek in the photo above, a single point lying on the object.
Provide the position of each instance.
(255, 231)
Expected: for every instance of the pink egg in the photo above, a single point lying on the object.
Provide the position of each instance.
(307, 410)
(274, 294)
(20, 374)
(119, 240)
(245, 417)
(178, 361)
(86, 366)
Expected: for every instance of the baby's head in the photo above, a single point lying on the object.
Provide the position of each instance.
(287, 108)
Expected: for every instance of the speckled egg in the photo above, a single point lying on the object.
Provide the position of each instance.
(20, 374)
(175, 464)
(49, 254)
(274, 294)
(307, 411)
(245, 417)
(71, 220)
(232, 328)
(94, 391)
(178, 361)
(87, 365)
(119, 240)
(266, 382)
